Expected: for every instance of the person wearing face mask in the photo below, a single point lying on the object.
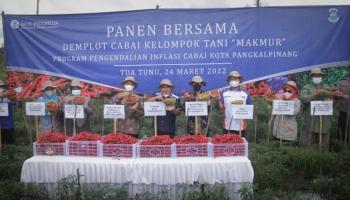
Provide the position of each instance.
(317, 90)
(234, 94)
(76, 98)
(6, 122)
(197, 94)
(290, 126)
(133, 108)
(52, 120)
(166, 124)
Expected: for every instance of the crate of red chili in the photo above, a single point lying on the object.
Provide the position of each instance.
(119, 145)
(84, 144)
(191, 145)
(52, 143)
(156, 146)
(229, 145)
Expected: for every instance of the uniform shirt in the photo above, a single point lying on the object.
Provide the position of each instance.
(166, 124)
(227, 96)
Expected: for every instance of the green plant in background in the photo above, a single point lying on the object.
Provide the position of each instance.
(205, 191)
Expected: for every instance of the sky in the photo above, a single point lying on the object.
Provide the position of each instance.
(93, 6)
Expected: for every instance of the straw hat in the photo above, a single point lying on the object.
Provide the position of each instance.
(197, 79)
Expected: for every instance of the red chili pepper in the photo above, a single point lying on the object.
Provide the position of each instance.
(118, 138)
(158, 140)
(86, 136)
(191, 139)
(227, 139)
(52, 137)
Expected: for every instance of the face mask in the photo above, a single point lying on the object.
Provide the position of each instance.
(234, 83)
(49, 93)
(288, 95)
(76, 92)
(197, 87)
(128, 87)
(317, 80)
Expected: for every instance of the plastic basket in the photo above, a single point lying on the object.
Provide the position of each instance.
(156, 150)
(189, 150)
(239, 149)
(84, 148)
(119, 150)
(49, 148)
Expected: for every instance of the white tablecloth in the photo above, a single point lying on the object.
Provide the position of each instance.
(161, 171)
(151, 175)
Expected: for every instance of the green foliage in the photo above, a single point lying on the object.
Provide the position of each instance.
(204, 191)
(284, 172)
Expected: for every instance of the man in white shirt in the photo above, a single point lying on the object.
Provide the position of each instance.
(231, 95)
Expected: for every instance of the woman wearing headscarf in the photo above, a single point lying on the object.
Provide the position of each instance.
(289, 130)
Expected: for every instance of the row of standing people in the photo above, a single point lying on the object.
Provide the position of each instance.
(232, 94)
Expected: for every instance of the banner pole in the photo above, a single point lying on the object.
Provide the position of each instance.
(37, 6)
(320, 141)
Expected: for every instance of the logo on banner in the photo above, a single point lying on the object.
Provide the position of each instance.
(14, 24)
(333, 15)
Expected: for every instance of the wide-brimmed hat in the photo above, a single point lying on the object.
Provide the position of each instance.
(235, 74)
(76, 83)
(290, 84)
(166, 82)
(48, 84)
(316, 71)
(131, 79)
(197, 79)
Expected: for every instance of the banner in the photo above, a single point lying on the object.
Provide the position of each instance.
(177, 44)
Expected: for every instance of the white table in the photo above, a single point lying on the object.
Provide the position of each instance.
(145, 173)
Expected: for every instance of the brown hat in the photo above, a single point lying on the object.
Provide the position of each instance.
(48, 84)
(197, 79)
(131, 79)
